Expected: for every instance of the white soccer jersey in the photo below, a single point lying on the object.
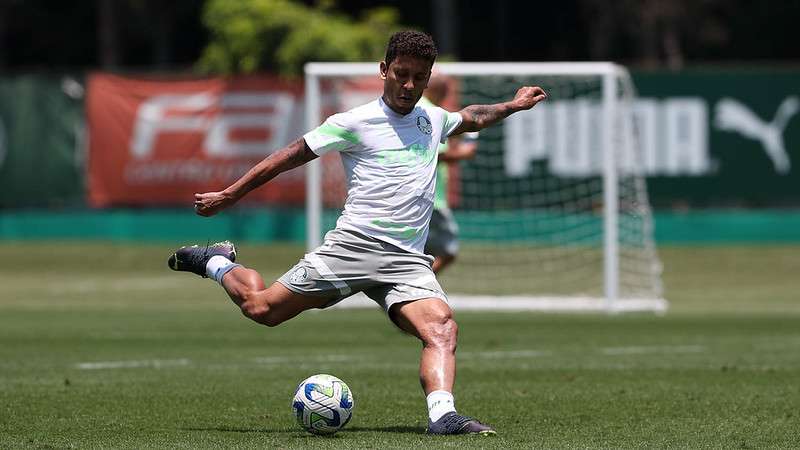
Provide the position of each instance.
(390, 166)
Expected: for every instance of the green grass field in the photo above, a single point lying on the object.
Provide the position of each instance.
(101, 346)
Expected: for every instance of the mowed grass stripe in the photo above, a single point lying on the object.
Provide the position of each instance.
(718, 371)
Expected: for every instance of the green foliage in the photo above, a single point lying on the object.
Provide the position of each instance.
(281, 36)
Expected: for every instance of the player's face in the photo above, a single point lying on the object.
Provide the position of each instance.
(404, 79)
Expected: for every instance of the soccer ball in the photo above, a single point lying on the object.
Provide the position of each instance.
(323, 404)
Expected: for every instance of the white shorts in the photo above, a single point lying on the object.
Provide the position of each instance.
(349, 262)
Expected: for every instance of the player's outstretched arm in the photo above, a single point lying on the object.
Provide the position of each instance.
(293, 155)
(478, 117)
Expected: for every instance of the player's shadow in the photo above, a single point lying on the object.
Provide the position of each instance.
(235, 429)
(392, 429)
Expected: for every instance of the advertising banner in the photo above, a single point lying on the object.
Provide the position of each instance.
(157, 142)
(41, 141)
(705, 138)
(710, 139)
(744, 143)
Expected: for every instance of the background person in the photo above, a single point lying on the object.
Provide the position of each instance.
(442, 241)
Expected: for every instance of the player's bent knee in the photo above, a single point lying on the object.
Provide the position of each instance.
(257, 309)
(271, 320)
(443, 332)
(262, 314)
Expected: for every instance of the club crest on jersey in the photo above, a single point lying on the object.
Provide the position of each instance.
(424, 125)
(299, 275)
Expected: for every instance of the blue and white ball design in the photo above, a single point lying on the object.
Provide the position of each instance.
(323, 404)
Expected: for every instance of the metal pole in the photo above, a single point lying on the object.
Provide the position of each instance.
(313, 168)
(610, 203)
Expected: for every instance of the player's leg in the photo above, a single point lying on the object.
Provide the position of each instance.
(431, 320)
(442, 261)
(442, 240)
(269, 306)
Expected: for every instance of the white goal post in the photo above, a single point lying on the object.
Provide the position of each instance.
(554, 213)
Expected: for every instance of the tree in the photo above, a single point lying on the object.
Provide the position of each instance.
(280, 35)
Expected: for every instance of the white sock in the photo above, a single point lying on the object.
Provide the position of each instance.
(439, 404)
(218, 266)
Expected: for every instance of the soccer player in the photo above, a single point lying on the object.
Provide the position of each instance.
(388, 149)
(442, 241)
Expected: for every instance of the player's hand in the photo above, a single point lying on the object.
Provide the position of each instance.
(528, 96)
(210, 203)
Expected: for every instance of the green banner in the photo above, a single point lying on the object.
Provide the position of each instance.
(721, 138)
(41, 145)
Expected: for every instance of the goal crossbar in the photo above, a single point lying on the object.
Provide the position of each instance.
(327, 69)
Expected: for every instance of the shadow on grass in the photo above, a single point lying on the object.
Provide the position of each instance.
(237, 430)
(392, 429)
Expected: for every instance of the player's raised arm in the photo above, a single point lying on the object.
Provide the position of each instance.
(478, 117)
(293, 155)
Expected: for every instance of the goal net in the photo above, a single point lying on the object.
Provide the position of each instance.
(553, 210)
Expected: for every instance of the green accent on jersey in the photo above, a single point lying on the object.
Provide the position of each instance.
(331, 130)
(397, 229)
(413, 155)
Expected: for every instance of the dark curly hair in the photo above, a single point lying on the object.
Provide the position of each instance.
(411, 43)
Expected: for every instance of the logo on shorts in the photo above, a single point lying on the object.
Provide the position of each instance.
(424, 125)
(299, 275)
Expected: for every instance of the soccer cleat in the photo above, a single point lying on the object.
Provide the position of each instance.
(193, 258)
(452, 423)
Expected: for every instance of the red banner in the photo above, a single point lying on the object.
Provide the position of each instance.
(157, 142)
